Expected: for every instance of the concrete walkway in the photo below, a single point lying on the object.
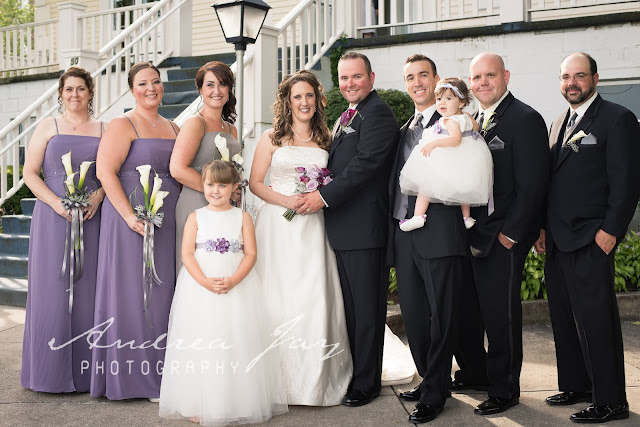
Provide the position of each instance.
(20, 407)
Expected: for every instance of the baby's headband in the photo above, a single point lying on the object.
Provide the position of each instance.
(449, 86)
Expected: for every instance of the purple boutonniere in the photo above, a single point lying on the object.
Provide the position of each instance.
(345, 121)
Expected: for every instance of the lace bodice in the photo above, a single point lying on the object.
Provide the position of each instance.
(286, 159)
(463, 120)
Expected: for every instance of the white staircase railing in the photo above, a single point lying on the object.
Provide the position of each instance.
(304, 35)
(28, 48)
(141, 41)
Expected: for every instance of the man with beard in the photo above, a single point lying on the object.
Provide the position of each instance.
(595, 185)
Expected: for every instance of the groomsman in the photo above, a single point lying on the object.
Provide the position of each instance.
(356, 218)
(506, 229)
(428, 260)
(595, 185)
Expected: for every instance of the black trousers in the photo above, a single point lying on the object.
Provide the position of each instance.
(498, 277)
(427, 289)
(365, 281)
(586, 323)
(469, 350)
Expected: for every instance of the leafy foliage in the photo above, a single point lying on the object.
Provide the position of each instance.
(12, 205)
(628, 262)
(14, 12)
(533, 285)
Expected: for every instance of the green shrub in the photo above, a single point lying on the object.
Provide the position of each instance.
(628, 262)
(393, 281)
(399, 102)
(12, 205)
(532, 285)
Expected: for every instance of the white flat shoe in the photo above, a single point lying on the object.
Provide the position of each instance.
(154, 399)
(469, 222)
(413, 223)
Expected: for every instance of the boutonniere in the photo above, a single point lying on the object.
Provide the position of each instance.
(489, 123)
(345, 121)
(575, 138)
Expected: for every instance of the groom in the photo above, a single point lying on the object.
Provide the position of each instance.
(356, 218)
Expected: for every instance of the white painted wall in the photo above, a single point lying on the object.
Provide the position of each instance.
(532, 57)
(16, 97)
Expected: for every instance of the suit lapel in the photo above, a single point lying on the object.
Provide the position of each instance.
(497, 118)
(583, 125)
(338, 139)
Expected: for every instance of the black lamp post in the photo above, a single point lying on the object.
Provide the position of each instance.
(241, 22)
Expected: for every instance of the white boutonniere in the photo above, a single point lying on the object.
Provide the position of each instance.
(489, 123)
(575, 138)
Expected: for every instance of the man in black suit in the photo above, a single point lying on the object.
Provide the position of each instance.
(595, 185)
(506, 229)
(428, 260)
(356, 218)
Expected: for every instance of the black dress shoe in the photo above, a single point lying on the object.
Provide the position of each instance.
(495, 405)
(601, 414)
(412, 395)
(359, 398)
(458, 386)
(568, 398)
(424, 413)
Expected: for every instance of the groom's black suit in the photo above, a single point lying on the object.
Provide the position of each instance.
(429, 263)
(595, 188)
(356, 223)
(518, 144)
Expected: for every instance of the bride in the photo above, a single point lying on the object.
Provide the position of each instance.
(296, 265)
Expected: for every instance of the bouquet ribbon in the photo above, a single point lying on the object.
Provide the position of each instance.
(73, 256)
(149, 273)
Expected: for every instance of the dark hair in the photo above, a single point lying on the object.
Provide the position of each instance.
(283, 119)
(419, 57)
(88, 80)
(136, 68)
(224, 75)
(221, 172)
(357, 55)
(458, 84)
(593, 66)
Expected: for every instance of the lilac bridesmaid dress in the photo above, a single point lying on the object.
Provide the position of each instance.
(63, 366)
(128, 351)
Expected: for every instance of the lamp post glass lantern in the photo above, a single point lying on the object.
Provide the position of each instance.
(241, 22)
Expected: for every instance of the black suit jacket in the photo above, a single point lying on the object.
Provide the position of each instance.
(360, 162)
(598, 186)
(443, 233)
(520, 151)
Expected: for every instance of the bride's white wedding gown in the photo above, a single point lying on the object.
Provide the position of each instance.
(301, 290)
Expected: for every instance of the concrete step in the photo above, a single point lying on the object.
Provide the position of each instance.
(14, 244)
(13, 291)
(179, 86)
(16, 224)
(27, 206)
(179, 97)
(182, 74)
(171, 111)
(13, 266)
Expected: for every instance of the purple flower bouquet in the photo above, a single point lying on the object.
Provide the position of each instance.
(308, 180)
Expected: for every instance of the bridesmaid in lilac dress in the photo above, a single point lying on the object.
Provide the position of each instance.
(129, 352)
(61, 367)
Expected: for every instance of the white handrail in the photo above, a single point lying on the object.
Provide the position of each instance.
(142, 42)
(27, 48)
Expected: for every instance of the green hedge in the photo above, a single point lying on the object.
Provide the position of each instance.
(12, 205)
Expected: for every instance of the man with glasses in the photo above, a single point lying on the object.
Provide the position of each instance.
(595, 185)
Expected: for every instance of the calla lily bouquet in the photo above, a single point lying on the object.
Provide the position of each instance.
(221, 144)
(75, 199)
(575, 138)
(152, 217)
(307, 181)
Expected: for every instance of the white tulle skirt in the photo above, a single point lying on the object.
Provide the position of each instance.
(216, 367)
(450, 175)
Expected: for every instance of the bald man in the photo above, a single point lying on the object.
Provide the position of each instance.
(595, 185)
(506, 229)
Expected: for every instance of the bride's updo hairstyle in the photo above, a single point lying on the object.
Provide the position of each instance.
(461, 90)
(283, 119)
(221, 172)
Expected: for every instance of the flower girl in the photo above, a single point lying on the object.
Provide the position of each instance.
(217, 370)
(451, 164)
